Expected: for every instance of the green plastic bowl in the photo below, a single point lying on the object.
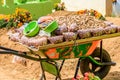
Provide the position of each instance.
(51, 27)
(31, 29)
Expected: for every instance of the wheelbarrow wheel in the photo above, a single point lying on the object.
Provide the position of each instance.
(87, 65)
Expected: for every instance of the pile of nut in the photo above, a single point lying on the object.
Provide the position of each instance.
(72, 26)
(75, 26)
(82, 21)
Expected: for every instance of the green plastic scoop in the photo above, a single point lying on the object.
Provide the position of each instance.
(51, 27)
(31, 29)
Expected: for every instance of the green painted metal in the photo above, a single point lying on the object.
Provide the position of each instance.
(84, 47)
(94, 61)
(50, 68)
(76, 51)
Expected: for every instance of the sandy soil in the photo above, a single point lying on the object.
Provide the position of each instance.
(10, 71)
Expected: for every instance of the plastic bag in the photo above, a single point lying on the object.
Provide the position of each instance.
(55, 39)
(84, 33)
(69, 36)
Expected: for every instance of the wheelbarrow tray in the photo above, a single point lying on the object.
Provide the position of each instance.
(87, 46)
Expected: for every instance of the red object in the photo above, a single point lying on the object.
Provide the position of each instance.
(86, 74)
(85, 78)
(78, 77)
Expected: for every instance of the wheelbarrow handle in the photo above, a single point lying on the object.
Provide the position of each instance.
(8, 49)
(4, 50)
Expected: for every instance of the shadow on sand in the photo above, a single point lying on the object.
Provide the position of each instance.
(113, 76)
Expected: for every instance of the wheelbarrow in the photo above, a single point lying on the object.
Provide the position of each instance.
(91, 57)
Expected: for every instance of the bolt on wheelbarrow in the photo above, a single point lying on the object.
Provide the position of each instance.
(91, 58)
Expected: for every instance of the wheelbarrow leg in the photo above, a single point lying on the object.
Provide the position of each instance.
(101, 55)
(43, 77)
(77, 68)
(60, 70)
